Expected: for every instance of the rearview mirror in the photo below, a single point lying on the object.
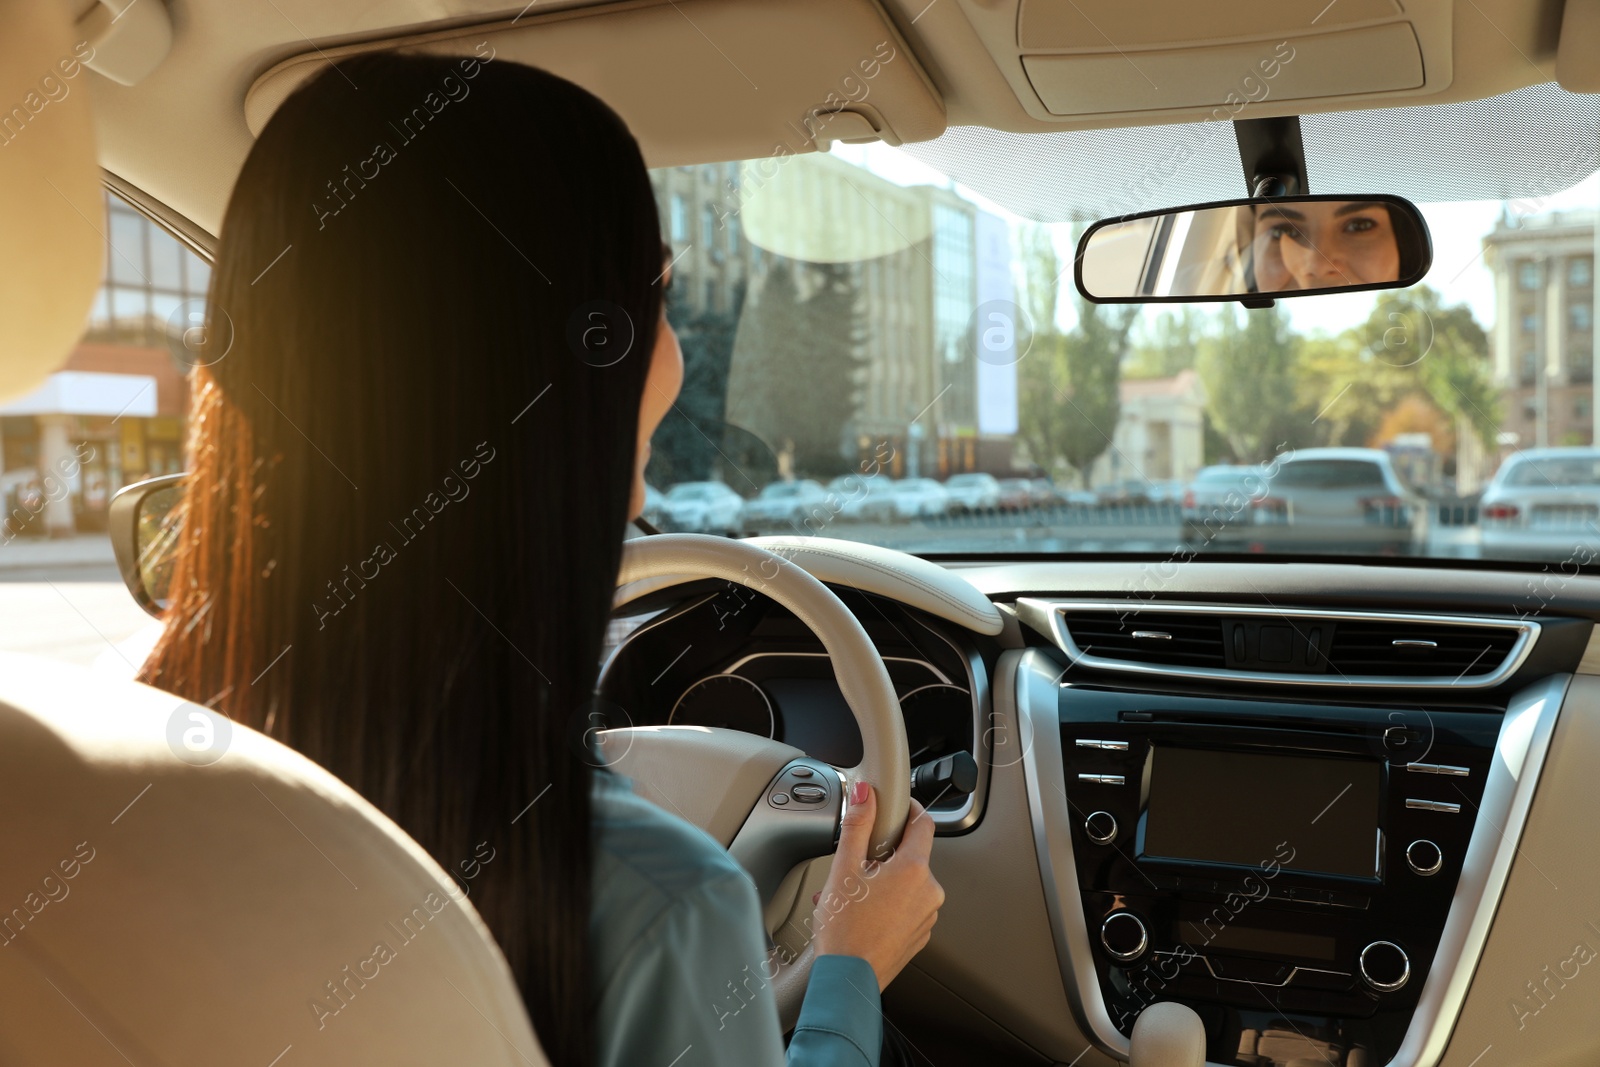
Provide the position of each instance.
(145, 520)
(1255, 250)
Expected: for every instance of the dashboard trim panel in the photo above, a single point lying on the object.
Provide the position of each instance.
(1046, 616)
(1519, 755)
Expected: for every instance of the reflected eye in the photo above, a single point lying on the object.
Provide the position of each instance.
(1361, 224)
(1279, 230)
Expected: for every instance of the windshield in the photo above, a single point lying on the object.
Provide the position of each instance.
(689, 492)
(864, 312)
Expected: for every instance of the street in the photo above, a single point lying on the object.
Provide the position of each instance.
(64, 600)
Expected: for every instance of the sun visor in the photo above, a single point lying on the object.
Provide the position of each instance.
(1578, 57)
(699, 80)
(50, 194)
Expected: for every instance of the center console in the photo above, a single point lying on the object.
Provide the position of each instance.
(1259, 857)
(1313, 879)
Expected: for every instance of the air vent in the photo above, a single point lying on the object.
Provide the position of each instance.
(1409, 650)
(1181, 640)
(1284, 646)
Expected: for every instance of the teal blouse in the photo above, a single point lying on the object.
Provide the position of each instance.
(679, 949)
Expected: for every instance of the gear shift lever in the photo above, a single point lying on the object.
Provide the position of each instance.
(1167, 1035)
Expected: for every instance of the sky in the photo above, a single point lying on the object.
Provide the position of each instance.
(1457, 229)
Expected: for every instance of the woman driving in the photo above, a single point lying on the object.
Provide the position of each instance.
(436, 353)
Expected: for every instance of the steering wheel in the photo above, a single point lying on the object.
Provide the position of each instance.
(729, 782)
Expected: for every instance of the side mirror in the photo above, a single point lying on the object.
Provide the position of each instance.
(145, 520)
(1254, 250)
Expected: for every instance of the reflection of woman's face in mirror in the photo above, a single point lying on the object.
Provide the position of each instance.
(1324, 245)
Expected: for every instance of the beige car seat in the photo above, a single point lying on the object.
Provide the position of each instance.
(176, 890)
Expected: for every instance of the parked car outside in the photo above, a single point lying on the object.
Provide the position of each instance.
(1078, 498)
(786, 503)
(1217, 504)
(864, 497)
(1016, 494)
(1044, 491)
(1163, 494)
(973, 491)
(701, 507)
(1126, 492)
(920, 498)
(1339, 500)
(1543, 503)
(654, 505)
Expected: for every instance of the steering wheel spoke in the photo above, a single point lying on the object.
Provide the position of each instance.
(795, 820)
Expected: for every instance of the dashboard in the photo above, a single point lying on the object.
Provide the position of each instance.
(1289, 798)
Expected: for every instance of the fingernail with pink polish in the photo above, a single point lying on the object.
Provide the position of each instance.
(858, 792)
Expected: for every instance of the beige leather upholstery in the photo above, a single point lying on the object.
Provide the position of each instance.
(52, 214)
(252, 909)
(862, 677)
(900, 576)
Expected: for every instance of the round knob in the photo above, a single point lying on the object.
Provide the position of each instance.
(1385, 966)
(1124, 936)
(1101, 827)
(1424, 857)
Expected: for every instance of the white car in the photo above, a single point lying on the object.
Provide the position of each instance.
(920, 498)
(701, 507)
(973, 492)
(1544, 503)
(864, 497)
(654, 501)
(785, 503)
(1338, 500)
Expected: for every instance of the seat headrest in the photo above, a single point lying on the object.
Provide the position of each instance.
(50, 197)
(179, 890)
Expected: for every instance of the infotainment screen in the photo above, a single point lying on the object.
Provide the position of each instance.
(1308, 813)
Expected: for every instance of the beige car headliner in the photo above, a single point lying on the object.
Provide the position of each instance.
(704, 80)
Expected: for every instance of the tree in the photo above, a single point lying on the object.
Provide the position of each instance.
(1170, 344)
(1038, 276)
(1441, 352)
(795, 381)
(685, 446)
(1068, 385)
(1094, 354)
(837, 330)
(1251, 377)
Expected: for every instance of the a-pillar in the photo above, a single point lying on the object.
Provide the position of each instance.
(58, 469)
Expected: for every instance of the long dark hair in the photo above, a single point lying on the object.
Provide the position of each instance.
(412, 443)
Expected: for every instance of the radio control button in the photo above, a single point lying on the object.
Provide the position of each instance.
(1124, 936)
(1102, 779)
(1100, 827)
(1424, 857)
(1385, 966)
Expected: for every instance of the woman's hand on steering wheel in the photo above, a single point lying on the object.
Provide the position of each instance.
(882, 911)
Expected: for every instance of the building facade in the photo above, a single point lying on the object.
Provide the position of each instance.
(113, 414)
(1160, 435)
(1543, 341)
(915, 254)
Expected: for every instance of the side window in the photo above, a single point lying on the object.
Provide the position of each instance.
(113, 413)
